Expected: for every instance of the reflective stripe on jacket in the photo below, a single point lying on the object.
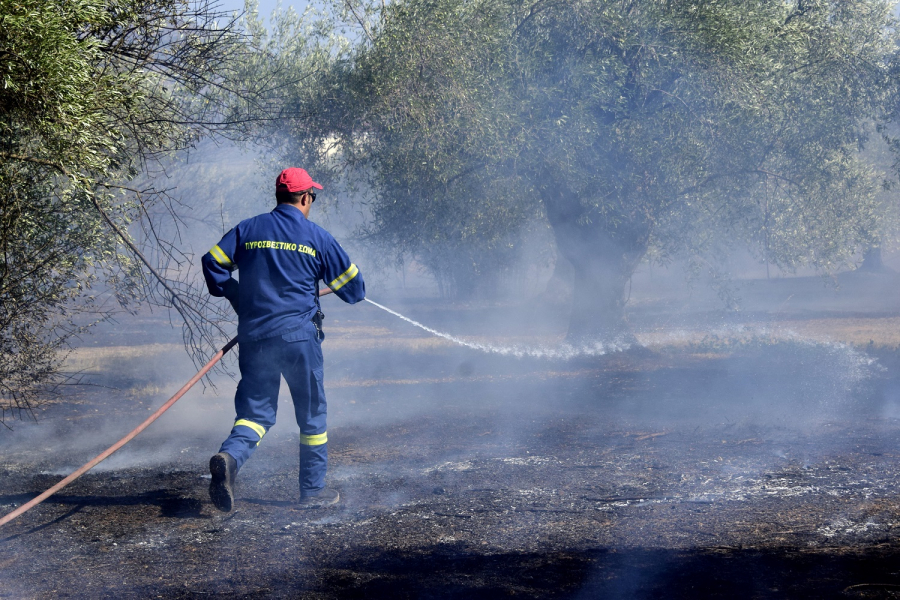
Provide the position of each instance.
(281, 256)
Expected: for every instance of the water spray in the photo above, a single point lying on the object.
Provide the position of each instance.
(562, 351)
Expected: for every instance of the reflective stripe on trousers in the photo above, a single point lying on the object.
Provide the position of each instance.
(298, 357)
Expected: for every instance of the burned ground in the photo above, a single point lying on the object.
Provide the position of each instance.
(752, 459)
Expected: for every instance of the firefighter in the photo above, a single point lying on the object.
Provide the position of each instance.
(281, 256)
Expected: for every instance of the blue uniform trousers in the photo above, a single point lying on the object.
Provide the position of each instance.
(297, 356)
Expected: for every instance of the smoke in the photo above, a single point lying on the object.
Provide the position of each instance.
(380, 372)
(746, 386)
(563, 352)
(443, 408)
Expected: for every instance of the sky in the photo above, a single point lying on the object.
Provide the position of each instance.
(265, 6)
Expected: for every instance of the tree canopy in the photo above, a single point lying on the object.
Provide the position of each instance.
(635, 127)
(91, 92)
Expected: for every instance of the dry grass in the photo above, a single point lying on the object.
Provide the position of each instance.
(878, 332)
(94, 360)
(860, 332)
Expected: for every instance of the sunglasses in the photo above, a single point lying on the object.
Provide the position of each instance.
(312, 195)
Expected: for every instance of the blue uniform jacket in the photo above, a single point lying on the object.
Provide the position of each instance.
(282, 256)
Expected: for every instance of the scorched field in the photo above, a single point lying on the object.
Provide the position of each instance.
(738, 455)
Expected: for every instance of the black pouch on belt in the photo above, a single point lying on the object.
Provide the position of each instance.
(317, 321)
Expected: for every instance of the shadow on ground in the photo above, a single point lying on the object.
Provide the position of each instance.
(449, 571)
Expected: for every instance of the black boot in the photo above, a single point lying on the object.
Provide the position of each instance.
(223, 469)
(324, 497)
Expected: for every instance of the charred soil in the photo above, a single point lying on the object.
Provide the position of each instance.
(728, 466)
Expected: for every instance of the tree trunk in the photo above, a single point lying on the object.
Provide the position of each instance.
(604, 256)
(872, 261)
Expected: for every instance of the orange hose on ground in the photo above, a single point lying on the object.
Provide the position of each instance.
(106, 454)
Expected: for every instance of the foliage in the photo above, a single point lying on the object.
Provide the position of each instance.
(91, 92)
(292, 62)
(633, 126)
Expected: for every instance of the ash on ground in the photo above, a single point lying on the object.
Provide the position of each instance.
(715, 466)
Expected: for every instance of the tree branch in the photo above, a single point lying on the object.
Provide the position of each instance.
(362, 23)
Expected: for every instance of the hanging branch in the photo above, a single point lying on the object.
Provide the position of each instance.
(193, 317)
(359, 20)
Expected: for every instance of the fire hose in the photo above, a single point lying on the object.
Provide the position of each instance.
(109, 451)
(106, 453)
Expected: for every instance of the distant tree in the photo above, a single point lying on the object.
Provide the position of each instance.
(633, 126)
(91, 92)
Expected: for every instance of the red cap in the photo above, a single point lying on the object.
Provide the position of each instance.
(295, 180)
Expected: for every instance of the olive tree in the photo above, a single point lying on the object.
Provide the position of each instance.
(636, 128)
(91, 93)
